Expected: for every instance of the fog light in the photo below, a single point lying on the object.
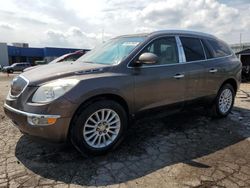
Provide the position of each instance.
(36, 120)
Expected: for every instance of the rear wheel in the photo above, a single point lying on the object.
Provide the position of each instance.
(99, 127)
(10, 71)
(224, 101)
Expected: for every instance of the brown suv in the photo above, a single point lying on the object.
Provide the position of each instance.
(90, 101)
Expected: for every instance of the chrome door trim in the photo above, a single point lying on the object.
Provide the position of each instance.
(213, 70)
(182, 55)
(203, 49)
(178, 76)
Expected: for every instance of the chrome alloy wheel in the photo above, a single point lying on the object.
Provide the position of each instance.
(225, 100)
(101, 128)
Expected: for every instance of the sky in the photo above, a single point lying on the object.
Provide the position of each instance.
(85, 24)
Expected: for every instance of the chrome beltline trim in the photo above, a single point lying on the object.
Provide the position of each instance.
(29, 114)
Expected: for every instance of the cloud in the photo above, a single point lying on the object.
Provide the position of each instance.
(6, 26)
(73, 37)
(226, 21)
(76, 23)
(203, 15)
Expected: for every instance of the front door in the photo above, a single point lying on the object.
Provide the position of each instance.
(162, 83)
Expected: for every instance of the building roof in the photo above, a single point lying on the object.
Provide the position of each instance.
(244, 52)
(240, 44)
(39, 52)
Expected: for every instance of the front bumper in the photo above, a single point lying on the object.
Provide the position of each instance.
(56, 132)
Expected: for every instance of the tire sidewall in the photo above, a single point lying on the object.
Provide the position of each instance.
(226, 86)
(77, 137)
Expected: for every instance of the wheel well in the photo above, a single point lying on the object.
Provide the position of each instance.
(113, 97)
(232, 82)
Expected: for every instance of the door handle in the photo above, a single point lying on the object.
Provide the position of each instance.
(178, 76)
(213, 70)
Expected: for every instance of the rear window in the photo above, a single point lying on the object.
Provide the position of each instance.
(207, 50)
(192, 48)
(218, 48)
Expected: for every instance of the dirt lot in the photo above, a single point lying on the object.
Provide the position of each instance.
(184, 150)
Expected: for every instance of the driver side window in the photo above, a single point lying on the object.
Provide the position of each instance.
(166, 50)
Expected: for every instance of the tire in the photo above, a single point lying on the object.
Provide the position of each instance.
(86, 121)
(229, 94)
(10, 71)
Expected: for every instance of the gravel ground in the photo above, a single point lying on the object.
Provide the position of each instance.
(187, 149)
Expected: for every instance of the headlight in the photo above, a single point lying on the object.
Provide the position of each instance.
(53, 90)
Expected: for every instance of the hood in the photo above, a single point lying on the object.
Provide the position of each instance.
(49, 72)
(6, 67)
(30, 68)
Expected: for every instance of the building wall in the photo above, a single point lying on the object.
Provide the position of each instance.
(4, 58)
(23, 53)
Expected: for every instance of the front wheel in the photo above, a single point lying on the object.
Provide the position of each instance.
(99, 127)
(224, 101)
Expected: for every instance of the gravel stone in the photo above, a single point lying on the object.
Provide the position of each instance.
(188, 149)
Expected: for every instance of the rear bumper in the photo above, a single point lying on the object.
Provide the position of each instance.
(56, 132)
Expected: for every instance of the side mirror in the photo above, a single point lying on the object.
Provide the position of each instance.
(148, 58)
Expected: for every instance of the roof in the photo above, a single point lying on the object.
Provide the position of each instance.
(244, 52)
(187, 32)
(133, 35)
(180, 32)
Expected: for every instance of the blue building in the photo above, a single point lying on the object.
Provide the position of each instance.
(15, 54)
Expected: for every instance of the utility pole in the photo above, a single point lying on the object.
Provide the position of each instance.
(240, 41)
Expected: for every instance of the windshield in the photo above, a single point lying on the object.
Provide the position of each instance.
(113, 51)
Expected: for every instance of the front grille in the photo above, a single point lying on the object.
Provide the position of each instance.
(18, 86)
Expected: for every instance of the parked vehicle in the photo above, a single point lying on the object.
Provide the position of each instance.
(43, 62)
(16, 67)
(70, 56)
(66, 57)
(91, 101)
(244, 57)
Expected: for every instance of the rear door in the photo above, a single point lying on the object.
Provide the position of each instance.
(194, 66)
(217, 67)
(162, 83)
